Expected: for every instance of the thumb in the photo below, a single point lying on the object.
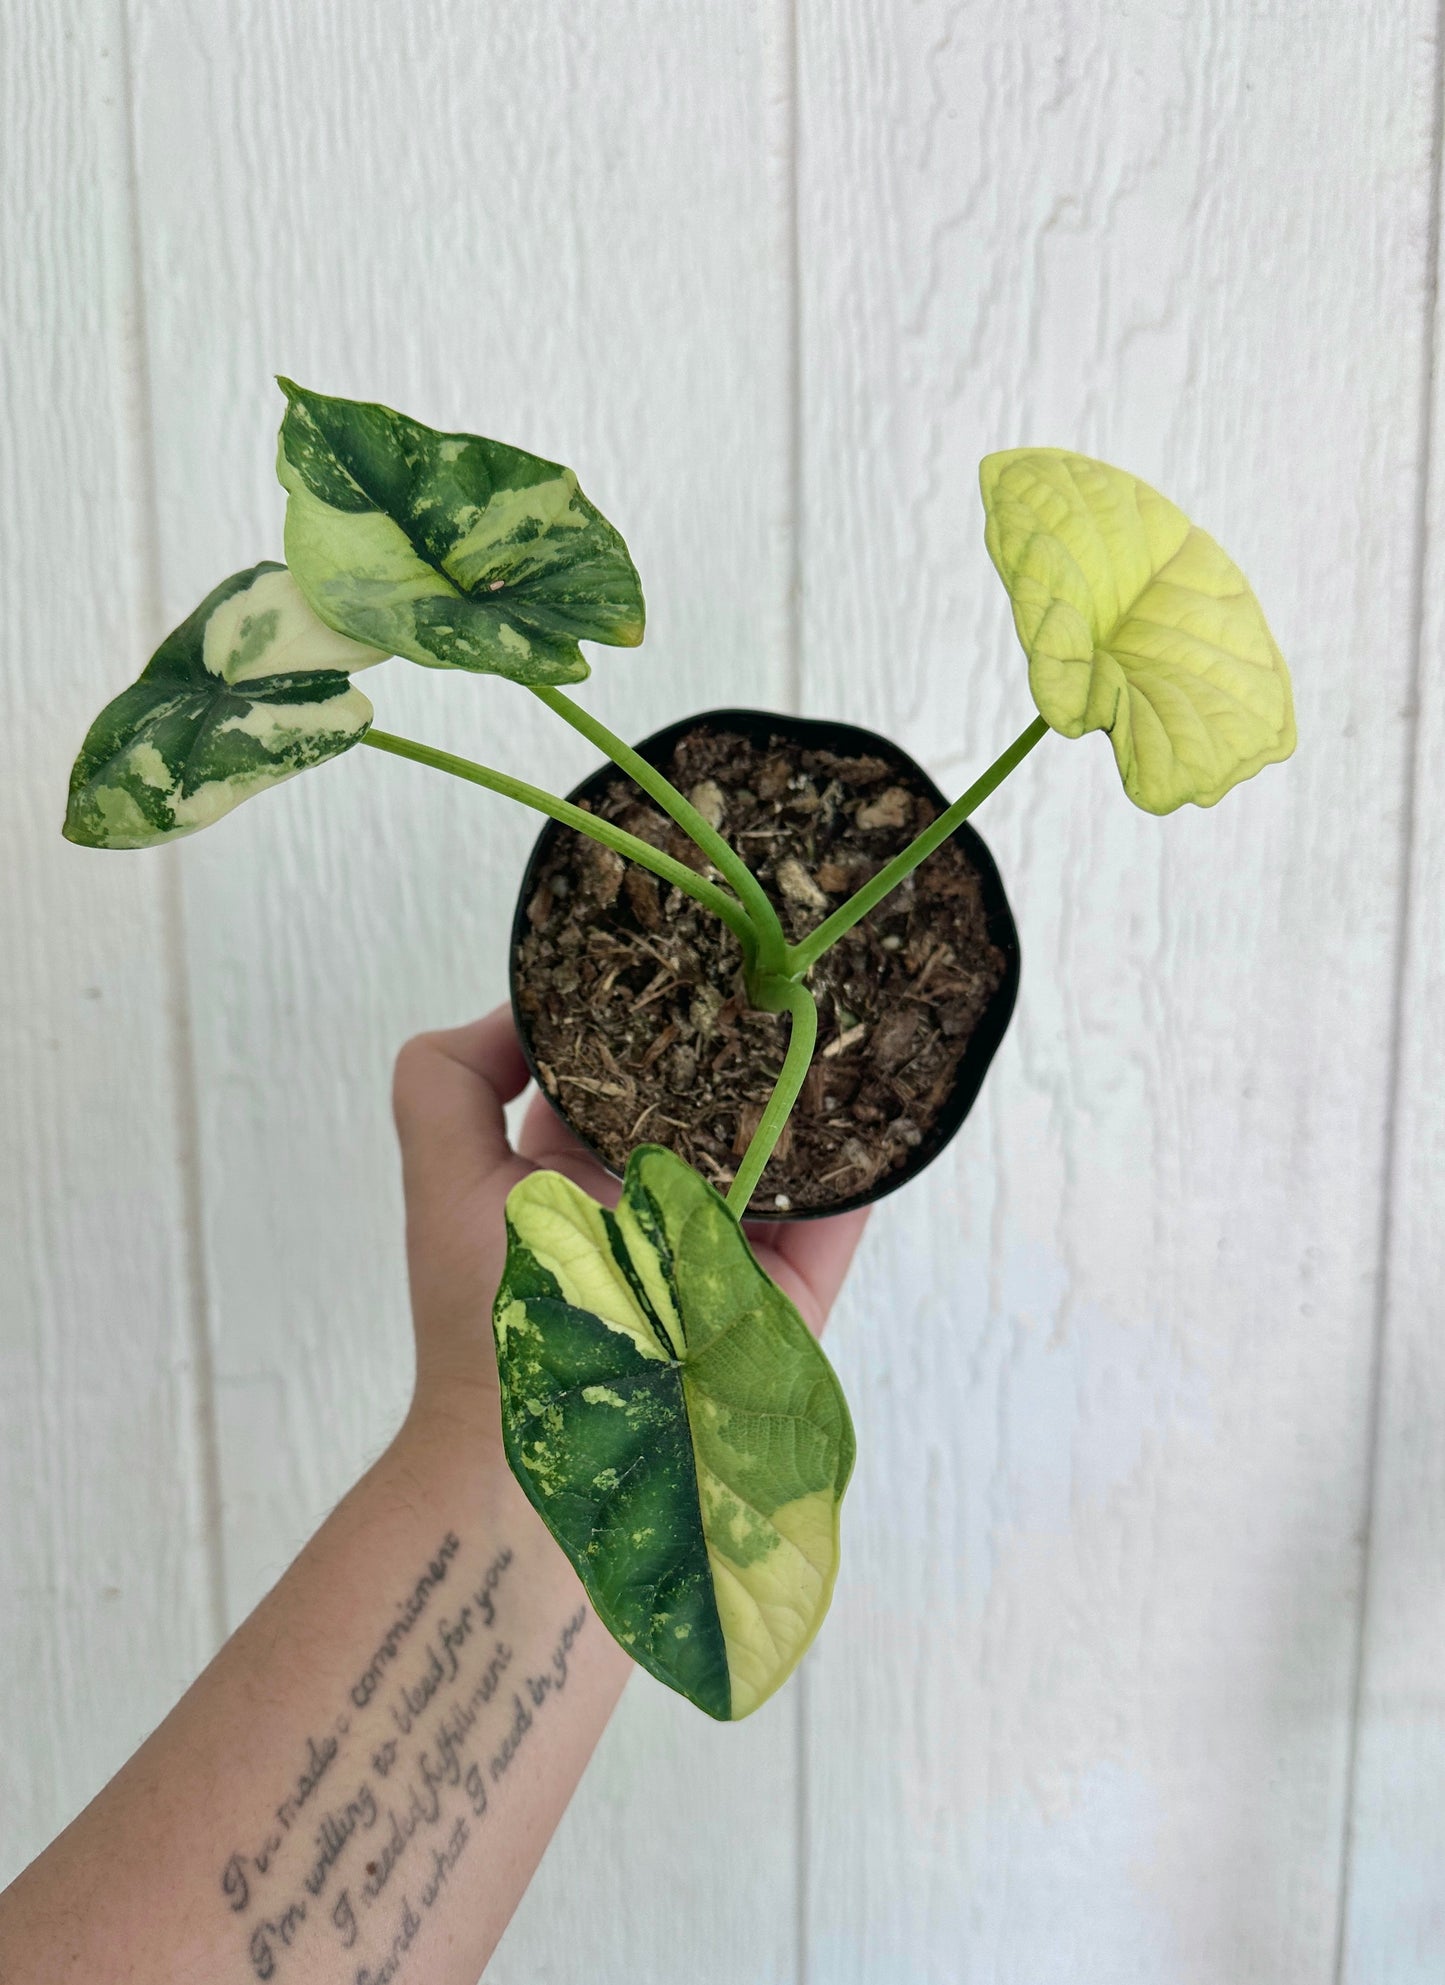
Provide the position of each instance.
(457, 1168)
(448, 1092)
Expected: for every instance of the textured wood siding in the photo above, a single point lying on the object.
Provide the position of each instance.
(1137, 1667)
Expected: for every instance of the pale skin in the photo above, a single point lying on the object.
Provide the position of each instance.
(360, 1785)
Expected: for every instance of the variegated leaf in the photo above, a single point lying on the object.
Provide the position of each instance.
(248, 691)
(682, 1435)
(455, 551)
(1136, 623)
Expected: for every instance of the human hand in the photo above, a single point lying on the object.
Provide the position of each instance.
(457, 1169)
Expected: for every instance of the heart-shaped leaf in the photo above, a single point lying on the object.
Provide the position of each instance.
(454, 551)
(248, 691)
(1135, 623)
(682, 1435)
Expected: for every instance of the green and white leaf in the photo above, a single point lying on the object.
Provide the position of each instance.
(457, 552)
(1135, 622)
(680, 1431)
(248, 691)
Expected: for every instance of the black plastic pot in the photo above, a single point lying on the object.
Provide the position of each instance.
(847, 740)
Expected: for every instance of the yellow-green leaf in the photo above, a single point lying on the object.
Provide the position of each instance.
(1135, 622)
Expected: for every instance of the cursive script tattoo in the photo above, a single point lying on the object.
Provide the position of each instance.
(335, 1831)
(554, 1680)
(382, 1849)
(242, 1871)
(408, 1613)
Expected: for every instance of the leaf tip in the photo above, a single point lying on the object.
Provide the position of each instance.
(73, 830)
(631, 632)
(995, 465)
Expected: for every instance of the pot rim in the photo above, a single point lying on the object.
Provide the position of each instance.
(849, 740)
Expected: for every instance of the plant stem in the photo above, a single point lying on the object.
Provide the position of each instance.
(772, 944)
(802, 957)
(642, 852)
(778, 996)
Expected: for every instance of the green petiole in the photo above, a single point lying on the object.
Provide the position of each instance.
(642, 852)
(778, 996)
(771, 941)
(802, 957)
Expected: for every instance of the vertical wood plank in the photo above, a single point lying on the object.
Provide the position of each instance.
(1083, 1708)
(1395, 1927)
(103, 1574)
(562, 226)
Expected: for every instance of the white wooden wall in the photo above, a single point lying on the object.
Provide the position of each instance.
(1137, 1668)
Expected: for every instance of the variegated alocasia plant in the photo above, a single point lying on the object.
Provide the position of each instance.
(663, 1404)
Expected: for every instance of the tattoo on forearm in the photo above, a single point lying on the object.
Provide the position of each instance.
(366, 1685)
(415, 1794)
(334, 1832)
(242, 1870)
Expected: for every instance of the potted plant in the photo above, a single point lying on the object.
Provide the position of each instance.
(753, 921)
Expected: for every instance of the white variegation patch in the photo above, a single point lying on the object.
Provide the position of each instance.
(360, 568)
(563, 1229)
(484, 549)
(268, 629)
(773, 1577)
(275, 725)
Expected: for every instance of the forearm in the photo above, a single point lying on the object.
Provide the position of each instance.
(361, 1783)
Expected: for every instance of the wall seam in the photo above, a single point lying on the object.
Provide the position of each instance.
(1412, 784)
(138, 449)
(787, 26)
(793, 346)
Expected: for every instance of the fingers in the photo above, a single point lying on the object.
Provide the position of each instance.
(457, 1167)
(546, 1141)
(447, 1097)
(809, 1259)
